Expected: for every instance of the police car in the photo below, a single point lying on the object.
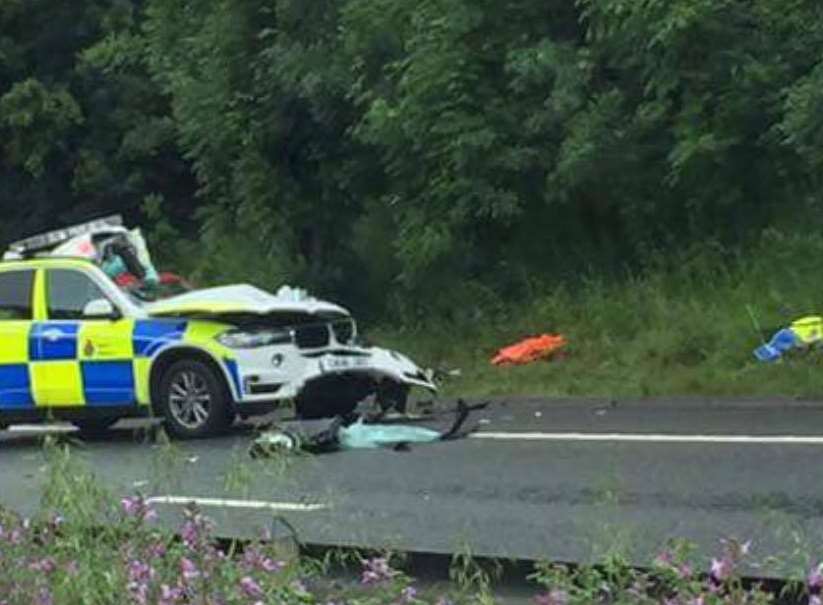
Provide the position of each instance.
(76, 345)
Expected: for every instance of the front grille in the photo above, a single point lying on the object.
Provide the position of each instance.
(312, 337)
(337, 353)
(343, 331)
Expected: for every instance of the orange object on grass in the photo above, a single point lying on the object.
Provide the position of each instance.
(530, 349)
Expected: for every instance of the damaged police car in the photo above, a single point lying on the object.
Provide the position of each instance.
(82, 340)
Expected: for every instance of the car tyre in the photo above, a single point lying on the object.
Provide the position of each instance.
(334, 395)
(194, 401)
(392, 394)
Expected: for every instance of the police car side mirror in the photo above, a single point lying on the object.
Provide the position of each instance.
(100, 308)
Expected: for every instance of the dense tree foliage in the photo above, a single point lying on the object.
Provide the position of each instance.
(387, 151)
(79, 138)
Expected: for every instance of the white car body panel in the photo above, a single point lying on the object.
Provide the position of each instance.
(296, 370)
(298, 366)
(244, 298)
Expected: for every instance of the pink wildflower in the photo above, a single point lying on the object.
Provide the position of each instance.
(169, 595)
(140, 572)
(157, 550)
(721, 569)
(553, 597)
(190, 533)
(137, 507)
(251, 588)
(270, 565)
(139, 593)
(254, 559)
(196, 527)
(188, 569)
(815, 578)
(377, 570)
(45, 565)
(664, 559)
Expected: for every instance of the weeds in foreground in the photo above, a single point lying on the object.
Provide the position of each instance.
(54, 559)
(671, 581)
(86, 548)
(473, 580)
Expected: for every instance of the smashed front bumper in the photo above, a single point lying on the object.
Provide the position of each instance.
(271, 373)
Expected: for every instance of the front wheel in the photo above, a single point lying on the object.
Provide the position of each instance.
(193, 400)
(391, 394)
(332, 395)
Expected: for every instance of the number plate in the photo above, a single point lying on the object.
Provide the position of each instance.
(337, 364)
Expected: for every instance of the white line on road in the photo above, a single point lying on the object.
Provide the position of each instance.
(247, 504)
(654, 438)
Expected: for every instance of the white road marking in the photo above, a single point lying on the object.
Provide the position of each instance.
(247, 504)
(654, 438)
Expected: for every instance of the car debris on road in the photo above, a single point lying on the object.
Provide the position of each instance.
(355, 432)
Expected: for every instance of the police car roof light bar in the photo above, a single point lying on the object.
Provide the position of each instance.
(51, 238)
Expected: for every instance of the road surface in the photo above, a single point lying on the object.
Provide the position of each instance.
(560, 480)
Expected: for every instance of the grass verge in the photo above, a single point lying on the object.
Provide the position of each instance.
(686, 324)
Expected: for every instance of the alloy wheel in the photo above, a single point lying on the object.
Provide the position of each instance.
(189, 399)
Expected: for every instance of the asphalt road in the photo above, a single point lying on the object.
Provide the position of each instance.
(560, 480)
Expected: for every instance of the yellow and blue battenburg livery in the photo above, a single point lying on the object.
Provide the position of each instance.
(75, 363)
(73, 344)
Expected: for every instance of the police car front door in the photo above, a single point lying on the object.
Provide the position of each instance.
(16, 312)
(81, 360)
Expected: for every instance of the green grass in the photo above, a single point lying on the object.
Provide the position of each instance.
(681, 326)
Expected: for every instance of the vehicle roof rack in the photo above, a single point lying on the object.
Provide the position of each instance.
(29, 246)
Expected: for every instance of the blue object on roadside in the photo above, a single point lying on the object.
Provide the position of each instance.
(782, 341)
(335, 435)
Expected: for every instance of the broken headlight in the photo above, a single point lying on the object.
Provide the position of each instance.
(243, 339)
